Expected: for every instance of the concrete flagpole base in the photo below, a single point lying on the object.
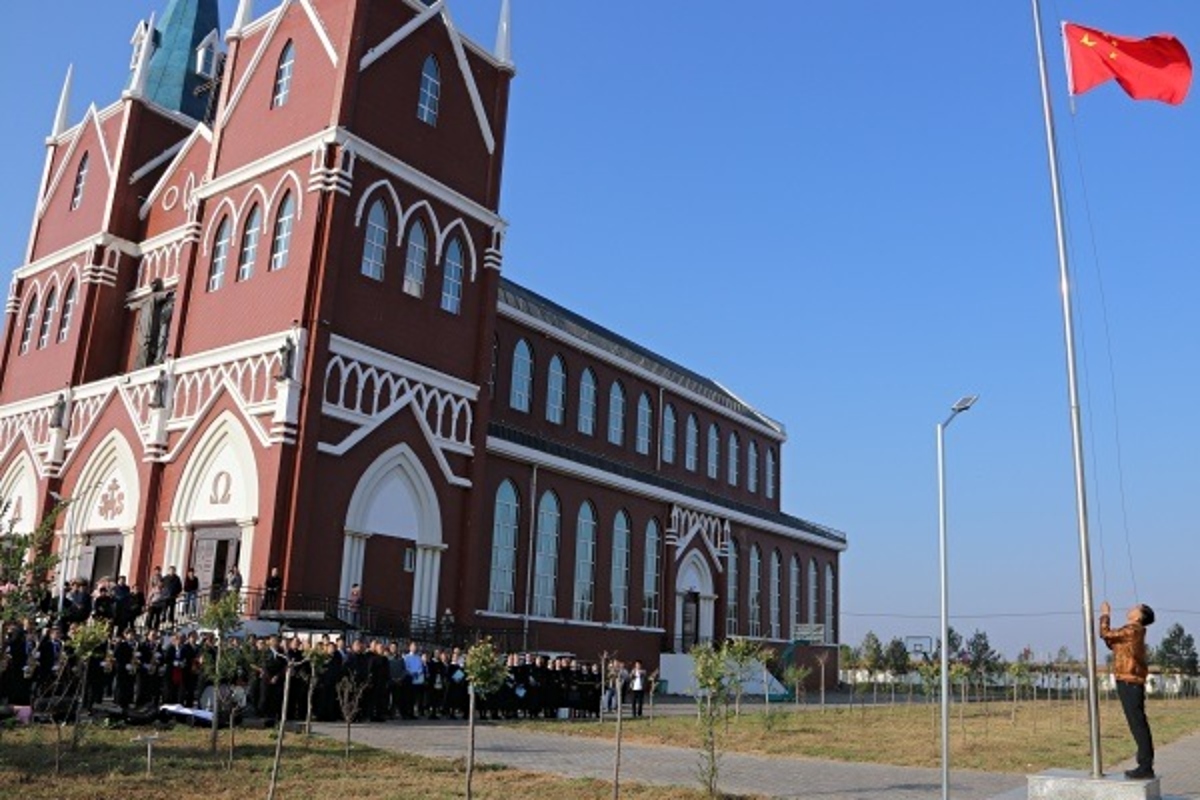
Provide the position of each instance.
(1062, 784)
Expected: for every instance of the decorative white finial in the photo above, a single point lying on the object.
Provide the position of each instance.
(64, 105)
(138, 87)
(243, 17)
(504, 35)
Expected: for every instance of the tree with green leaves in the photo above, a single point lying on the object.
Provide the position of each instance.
(1176, 653)
(26, 564)
(743, 656)
(795, 676)
(224, 619)
(870, 658)
(485, 671)
(896, 661)
(710, 676)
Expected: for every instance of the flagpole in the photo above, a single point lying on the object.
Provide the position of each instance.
(1085, 558)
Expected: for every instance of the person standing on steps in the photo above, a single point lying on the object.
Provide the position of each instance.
(1128, 645)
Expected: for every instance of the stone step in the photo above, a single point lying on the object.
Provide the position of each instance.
(1061, 784)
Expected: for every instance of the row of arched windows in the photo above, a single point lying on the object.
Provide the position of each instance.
(42, 317)
(416, 255)
(521, 399)
(248, 246)
(776, 625)
(544, 602)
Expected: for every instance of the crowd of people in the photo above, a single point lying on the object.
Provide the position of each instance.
(154, 657)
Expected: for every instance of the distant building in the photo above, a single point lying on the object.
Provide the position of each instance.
(261, 323)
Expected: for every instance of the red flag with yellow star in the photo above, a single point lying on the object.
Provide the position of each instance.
(1154, 68)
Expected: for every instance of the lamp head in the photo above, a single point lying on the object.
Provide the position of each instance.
(964, 403)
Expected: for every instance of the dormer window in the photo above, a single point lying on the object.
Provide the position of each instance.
(431, 92)
(140, 35)
(206, 56)
(80, 183)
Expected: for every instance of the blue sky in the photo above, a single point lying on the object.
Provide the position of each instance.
(841, 211)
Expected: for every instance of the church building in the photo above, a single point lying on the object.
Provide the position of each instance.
(261, 323)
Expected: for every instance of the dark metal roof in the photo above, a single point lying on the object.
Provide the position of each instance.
(510, 433)
(535, 305)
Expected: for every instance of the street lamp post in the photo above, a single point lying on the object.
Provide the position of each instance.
(956, 409)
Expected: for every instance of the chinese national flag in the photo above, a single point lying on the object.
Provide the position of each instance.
(1155, 68)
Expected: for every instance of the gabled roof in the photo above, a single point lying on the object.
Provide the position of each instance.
(534, 305)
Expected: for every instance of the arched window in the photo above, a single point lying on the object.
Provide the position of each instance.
(793, 596)
(431, 91)
(585, 562)
(415, 256)
(650, 575)
(220, 255)
(643, 424)
(31, 313)
(731, 589)
(691, 443)
(545, 575)
(556, 391)
(249, 251)
(733, 458)
(616, 414)
(829, 604)
(775, 587)
(587, 402)
(813, 591)
(375, 241)
(619, 614)
(755, 592)
(283, 76)
(452, 279)
(668, 434)
(80, 182)
(752, 466)
(714, 450)
(522, 377)
(47, 314)
(769, 477)
(64, 322)
(505, 522)
(281, 242)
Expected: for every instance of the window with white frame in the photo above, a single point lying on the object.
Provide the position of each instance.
(452, 277)
(68, 311)
(220, 256)
(206, 57)
(587, 402)
(431, 91)
(80, 182)
(249, 252)
(769, 477)
(793, 595)
(714, 450)
(733, 458)
(752, 466)
(668, 434)
(522, 377)
(775, 586)
(731, 589)
(650, 575)
(545, 575)
(505, 525)
(31, 313)
(556, 391)
(616, 414)
(642, 442)
(585, 562)
(283, 76)
(813, 591)
(620, 569)
(415, 256)
(47, 314)
(829, 596)
(281, 242)
(375, 241)
(754, 593)
(691, 443)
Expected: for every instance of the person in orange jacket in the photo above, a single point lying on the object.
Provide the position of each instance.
(1128, 645)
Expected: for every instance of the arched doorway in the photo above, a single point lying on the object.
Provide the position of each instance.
(98, 532)
(395, 498)
(695, 601)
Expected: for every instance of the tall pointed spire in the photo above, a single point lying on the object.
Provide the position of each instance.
(64, 105)
(137, 86)
(177, 71)
(504, 35)
(243, 17)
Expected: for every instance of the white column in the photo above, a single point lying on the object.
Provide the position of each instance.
(354, 554)
(426, 580)
(707, 611)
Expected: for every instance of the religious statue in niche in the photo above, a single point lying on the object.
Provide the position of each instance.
(158, 396)
(154, 314)
(58, 416)
(287, 359)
